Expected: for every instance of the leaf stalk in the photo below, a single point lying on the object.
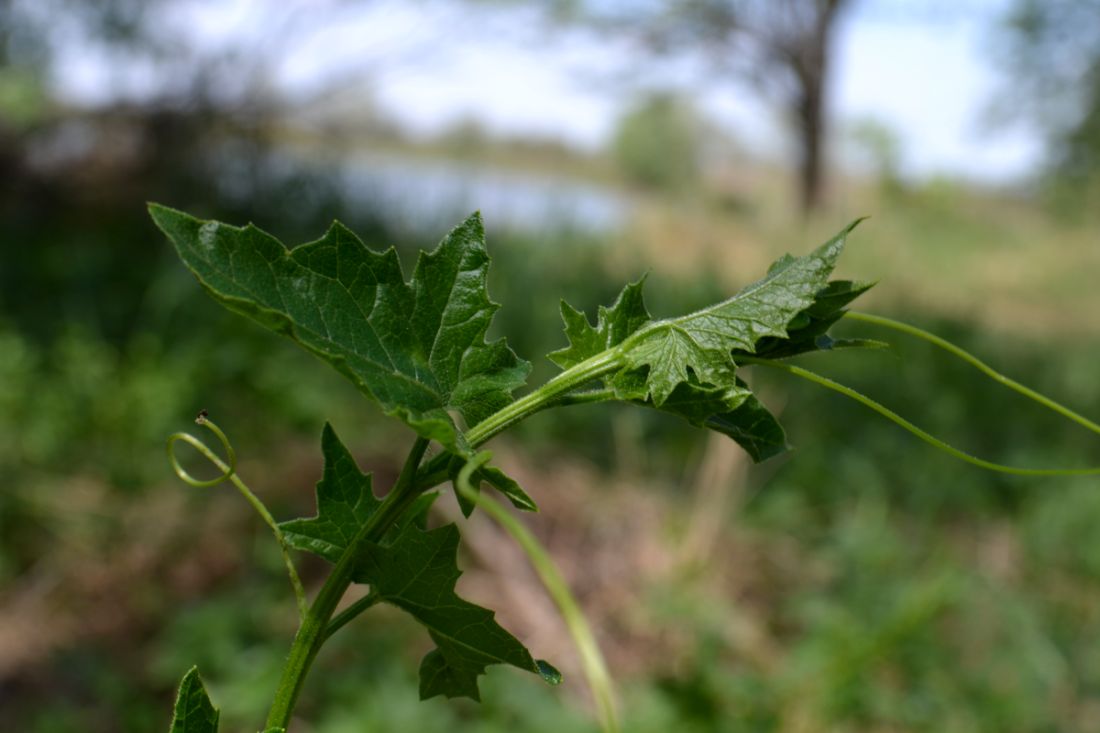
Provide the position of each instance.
(599, 365)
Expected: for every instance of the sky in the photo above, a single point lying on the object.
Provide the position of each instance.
(926, 72)
(933, 82)
(923, 68)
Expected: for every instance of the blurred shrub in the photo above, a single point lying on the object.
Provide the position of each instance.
(878, 150)
(657, 143)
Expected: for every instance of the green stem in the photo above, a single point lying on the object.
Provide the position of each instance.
(312, 632)
(977, 364)
(587, 397)
(922, 434)
(546, 395)
(437, 470)
(341, 619)
(595, 669)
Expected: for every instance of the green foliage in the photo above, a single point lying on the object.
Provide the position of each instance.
(418, 348)
(411, 569)
(695, 349)
(345, 501)
(683, 365)
(417, 573)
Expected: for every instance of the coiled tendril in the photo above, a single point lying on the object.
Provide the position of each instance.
(228, 470)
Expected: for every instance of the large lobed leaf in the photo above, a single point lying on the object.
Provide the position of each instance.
(687, 365)
(412, 569)
(417, 347)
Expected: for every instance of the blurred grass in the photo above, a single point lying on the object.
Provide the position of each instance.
(861, 584)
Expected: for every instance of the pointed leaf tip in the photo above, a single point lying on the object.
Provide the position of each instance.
(614, 324)
(417, 573)
(549, 672)
(687, 365)
(345, 502)
(496, 478)
(193, 711)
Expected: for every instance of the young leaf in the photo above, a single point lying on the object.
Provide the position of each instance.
(702, 342)
(345, 501)
(496, 478)
(417, 347)
(417, 573)
(808, 331)
(193, 712)
(735, 412)
(625, 316)
(412, 569)
(686, 365)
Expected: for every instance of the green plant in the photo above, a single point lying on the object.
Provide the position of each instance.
(418, 349)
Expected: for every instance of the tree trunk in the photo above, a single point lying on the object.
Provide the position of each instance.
(811, 131)
(811, 74)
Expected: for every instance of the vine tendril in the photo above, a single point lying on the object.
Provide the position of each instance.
(922, 434)
(595, 668)
(231, 455)
(978, 364)
(228, 470)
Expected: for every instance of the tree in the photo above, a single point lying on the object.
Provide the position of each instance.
(657, 143)
(782, 47)
(1052, 51)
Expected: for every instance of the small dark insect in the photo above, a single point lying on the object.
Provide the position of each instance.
(203, 414)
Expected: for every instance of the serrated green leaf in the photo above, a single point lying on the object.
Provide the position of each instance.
(417, 347)
(625, 316)
(691, 400)
(687, 365)
(735, 412)
(412, 569)
(702, 342)
(345, 501)
(193, 711)
(417, 573)
(808, 330)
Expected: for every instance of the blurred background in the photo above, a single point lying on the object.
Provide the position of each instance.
(861, 583)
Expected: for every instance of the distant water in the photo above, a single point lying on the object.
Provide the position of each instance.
(426, 196)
